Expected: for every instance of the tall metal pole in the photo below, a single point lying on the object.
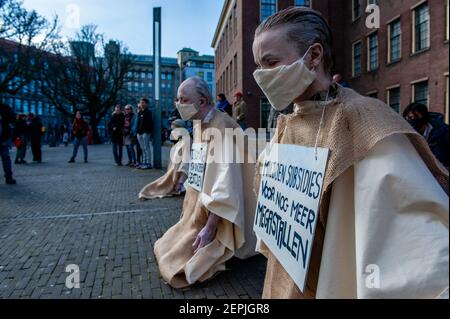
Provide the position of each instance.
(157, 114)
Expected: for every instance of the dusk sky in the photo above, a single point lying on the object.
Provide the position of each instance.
(186, 23)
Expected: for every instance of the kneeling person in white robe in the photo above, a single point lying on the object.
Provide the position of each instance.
(216, 223)
(172, 183)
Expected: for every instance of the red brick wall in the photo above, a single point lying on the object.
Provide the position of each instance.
(432, 63)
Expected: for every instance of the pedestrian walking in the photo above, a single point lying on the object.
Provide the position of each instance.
(79, 132)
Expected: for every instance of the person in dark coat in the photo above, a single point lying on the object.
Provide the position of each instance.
(115, 127)
(35, 130)
(144, 132)
(20, 137)
(7, 118)
(223, 105)
(433, 128)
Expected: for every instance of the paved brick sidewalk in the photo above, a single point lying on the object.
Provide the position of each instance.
(89, 215)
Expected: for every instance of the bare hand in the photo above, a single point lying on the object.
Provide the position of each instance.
(204, 237)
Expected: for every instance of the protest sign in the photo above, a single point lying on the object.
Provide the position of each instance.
(288, 204)
(197, 166)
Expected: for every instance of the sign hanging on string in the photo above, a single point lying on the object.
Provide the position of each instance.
(197, 166)
(288, 204)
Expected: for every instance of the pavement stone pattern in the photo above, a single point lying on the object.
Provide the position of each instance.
(89, 215)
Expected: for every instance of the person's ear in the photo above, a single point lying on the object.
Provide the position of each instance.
(316, 54)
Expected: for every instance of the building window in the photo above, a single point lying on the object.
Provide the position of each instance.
(393, 98)
(26, 108)
(420, 92)
(40, 108)
(169, 76)
(303, 3)
(235, 19)
(209, 76)
(421, 27)
(235, 71)
(265, 112)
(395, 42)
(372, 57)
(231, 35)
(373, 94)
(150, 88)
(267, 8)
(446, 100)
(357, 69)
(446, 20)
(356, 9)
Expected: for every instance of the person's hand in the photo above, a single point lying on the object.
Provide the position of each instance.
(204, 237)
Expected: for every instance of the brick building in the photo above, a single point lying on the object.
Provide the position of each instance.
(140, 82)
(193, 64)
(405, 60)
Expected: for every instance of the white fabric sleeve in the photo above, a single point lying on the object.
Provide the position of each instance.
(401, 225)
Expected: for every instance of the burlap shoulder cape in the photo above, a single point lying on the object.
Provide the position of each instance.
(353, 125)
(227, 192)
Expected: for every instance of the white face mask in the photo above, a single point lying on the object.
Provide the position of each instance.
(187, 111)
(283, 84)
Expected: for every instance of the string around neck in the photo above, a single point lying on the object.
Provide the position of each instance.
(322, 118)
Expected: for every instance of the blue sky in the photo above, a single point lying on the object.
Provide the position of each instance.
(186, 23)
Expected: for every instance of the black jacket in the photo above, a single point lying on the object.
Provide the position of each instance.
(21, 129)
(439, 138)
(145, 122)
(35, 129)
(7, 118)
(115, 127)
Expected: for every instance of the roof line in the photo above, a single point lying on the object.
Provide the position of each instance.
(219, 24)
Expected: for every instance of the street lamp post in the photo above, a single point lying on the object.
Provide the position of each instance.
(157, 143)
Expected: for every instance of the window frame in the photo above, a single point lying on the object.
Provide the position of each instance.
(265, 3)
(414, 9)
(389, 40)
(354, 17)
(354, 75)
(414, 84)
(388, 96)
(369, 64)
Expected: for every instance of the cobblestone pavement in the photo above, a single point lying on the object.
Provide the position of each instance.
(89, 215)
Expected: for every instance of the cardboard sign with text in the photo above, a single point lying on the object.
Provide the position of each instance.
(197, 166)
(288, 204)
